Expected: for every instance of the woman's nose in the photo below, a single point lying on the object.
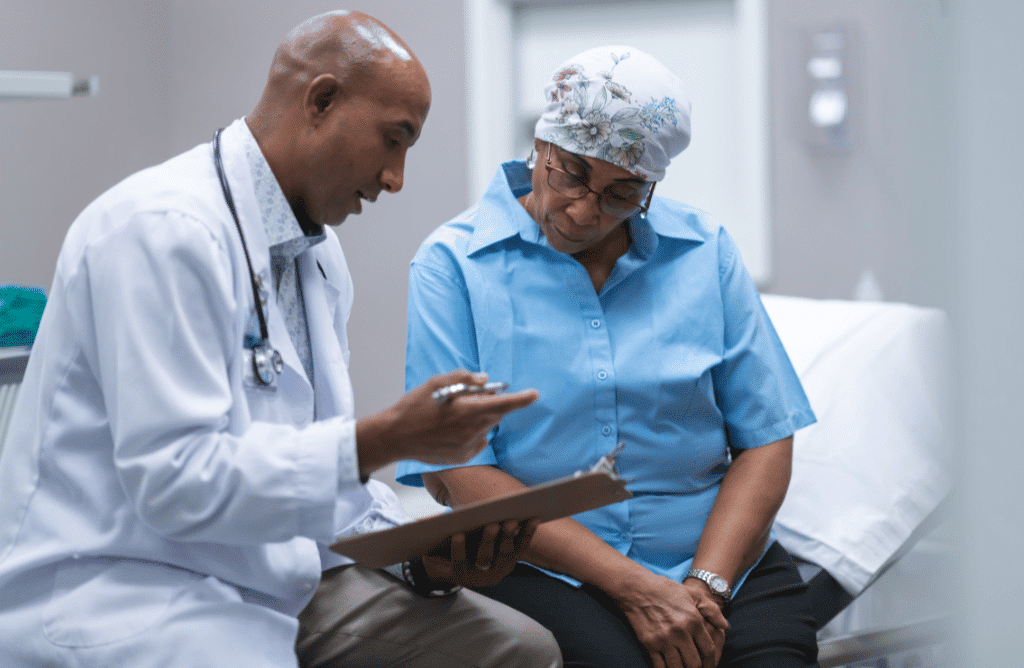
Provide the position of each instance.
(586, 210)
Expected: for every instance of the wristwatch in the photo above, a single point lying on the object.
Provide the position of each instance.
(716, 583)
(415, 575)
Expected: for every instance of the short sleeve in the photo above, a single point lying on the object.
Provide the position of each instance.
(440, 337)
(756, 386)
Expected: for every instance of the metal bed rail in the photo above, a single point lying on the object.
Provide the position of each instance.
(874, 648)
(12, 368)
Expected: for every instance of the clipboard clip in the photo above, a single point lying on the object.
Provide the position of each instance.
(606, 464)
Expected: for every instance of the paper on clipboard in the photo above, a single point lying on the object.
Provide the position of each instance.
(585, 490)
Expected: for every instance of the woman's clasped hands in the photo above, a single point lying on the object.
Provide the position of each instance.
(680, 624)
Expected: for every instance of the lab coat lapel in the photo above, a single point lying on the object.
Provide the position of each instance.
(236, 167)
(333, 389)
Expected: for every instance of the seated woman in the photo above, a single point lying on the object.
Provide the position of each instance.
(635, 318)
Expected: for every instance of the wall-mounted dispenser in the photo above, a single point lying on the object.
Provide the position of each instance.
(828, 91)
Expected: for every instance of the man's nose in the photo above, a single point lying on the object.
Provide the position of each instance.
(393, 176)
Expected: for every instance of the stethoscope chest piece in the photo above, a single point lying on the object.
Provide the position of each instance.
(266, 363)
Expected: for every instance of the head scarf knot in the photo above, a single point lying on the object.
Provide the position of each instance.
(618, 104)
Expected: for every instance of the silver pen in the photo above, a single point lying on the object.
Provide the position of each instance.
(460, 389)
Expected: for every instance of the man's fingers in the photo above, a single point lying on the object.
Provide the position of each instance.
(439, 569)
(456, 376)
(526, 531)
(485, 551)
(511, 528)
(458, 548)
(498, 404)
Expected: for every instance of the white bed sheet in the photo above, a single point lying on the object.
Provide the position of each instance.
(874, 465)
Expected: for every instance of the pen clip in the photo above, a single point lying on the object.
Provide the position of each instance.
(606, 464)
(446, 393)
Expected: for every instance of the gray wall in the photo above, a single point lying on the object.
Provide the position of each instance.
(988, 305)
(172, 71)
(58, 155)
(886, 206)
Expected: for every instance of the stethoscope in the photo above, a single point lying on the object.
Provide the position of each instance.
(267, 363)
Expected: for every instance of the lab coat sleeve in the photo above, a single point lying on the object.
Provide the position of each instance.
(164, 318)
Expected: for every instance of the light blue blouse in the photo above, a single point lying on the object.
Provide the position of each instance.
(676, 358)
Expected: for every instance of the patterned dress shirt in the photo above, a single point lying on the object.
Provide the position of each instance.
(287, 241)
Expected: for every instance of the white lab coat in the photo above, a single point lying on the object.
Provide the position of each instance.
(136, 434)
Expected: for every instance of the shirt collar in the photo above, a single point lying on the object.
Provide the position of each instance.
(284, 234)
(501, 216)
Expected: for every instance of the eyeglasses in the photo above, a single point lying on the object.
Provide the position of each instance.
(620, 199)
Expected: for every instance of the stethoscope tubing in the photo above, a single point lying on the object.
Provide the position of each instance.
(219, 165)
(265, 357)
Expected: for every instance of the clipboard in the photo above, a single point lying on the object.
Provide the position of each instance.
(582, 491)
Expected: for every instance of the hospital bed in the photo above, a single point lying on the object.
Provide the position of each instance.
(865, 511)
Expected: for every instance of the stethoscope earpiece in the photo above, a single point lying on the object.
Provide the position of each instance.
(267, 363)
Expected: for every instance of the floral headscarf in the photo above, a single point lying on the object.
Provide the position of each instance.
(618, 104)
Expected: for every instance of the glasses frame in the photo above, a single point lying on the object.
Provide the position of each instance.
(642, 208)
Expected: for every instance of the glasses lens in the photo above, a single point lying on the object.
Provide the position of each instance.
(627, 192)
(623, 199)
(566, 183)
(622, 210)
(618, 199)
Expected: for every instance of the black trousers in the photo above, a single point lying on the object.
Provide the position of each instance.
(771, 625)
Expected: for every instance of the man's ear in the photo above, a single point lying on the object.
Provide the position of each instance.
(324, 91)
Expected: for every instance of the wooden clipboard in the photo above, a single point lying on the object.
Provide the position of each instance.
(548, 501)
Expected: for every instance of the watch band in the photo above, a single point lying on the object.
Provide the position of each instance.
(415, 575)
(716, 583)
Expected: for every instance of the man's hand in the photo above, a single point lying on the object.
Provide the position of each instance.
(680, 625)
(500, 547)
(419, 427)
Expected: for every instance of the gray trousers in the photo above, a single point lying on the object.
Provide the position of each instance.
(361, 617)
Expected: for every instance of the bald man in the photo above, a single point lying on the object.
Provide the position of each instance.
(183, 447)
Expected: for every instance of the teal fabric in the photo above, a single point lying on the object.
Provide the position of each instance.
(21, 309)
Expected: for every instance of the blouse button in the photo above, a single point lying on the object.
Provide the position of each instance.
(602, 374)
(595, 323)
(606, 430)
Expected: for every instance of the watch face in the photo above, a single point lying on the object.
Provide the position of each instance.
(718, 584)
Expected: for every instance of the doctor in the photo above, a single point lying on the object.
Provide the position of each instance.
(184, 448)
